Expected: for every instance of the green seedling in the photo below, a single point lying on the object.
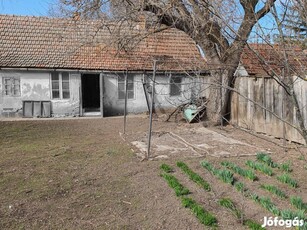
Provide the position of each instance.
(287, 214)
(166, 168)
(268, 205)
(265, 158)
(286, 167)
(297, 202)
(273, 189)
(260, 167)
(223, 174)
(285, 178)
(202, 215)
(172, 181)
(226, 176)
(228, 203)
(243, 172)
(253, 225)
(194, 176)
(240, 186)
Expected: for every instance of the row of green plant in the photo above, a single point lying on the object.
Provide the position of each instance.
(297, 202)
(229, 204)
(287, 179)
(166, 168)
(250, 174)
(266, 203)
(223, 174)
(273, 189)
(265, 158)
(173, 182)
(259, 167)
(202, 215)
(194, 176)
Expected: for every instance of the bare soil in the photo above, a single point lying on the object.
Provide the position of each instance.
(82, 174)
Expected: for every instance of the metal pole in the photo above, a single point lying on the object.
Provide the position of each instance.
(221, 98)
(283, 113)
(151, 107)
(126, 97)
(101, 79)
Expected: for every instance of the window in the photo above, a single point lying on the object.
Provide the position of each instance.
(11, 86)
(121, 87)
(175, 86)
(60, 85)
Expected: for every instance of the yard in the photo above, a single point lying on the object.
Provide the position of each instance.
(80, 174)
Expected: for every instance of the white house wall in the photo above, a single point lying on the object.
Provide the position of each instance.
(36, 86)
(163, 100)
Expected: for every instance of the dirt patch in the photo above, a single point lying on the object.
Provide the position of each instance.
(80, 174)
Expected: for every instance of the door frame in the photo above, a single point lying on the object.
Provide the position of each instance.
(101, 93)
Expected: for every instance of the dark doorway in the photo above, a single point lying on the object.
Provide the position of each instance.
(90, 93)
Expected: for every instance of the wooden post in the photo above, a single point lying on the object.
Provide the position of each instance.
(126, 98)
(101, 93)
(151, 107)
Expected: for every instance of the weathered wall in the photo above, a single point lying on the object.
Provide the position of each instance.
(71, 106)
(163, 100)
(267, 93)
(37, 86)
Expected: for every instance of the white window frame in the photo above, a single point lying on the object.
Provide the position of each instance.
(12, 87)
(60, 86)
(133, 90)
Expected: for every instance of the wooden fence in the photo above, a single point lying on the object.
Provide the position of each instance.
(263, 93)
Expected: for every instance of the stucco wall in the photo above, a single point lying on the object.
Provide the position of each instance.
(36, 86)
(163, 100)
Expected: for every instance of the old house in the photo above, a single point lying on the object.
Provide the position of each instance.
(68, 67)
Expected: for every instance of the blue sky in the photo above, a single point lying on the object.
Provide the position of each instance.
(25, 7)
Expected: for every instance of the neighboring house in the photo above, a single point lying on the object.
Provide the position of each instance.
(259, 72)
(69, 67)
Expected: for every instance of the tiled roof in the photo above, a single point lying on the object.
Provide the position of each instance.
(41, 42)
(274, 60)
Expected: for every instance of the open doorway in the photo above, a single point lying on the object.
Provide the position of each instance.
(90, 94)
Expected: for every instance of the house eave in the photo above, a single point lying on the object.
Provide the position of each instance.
(202, 72)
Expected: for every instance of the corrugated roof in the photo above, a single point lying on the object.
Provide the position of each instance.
(41, 42)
